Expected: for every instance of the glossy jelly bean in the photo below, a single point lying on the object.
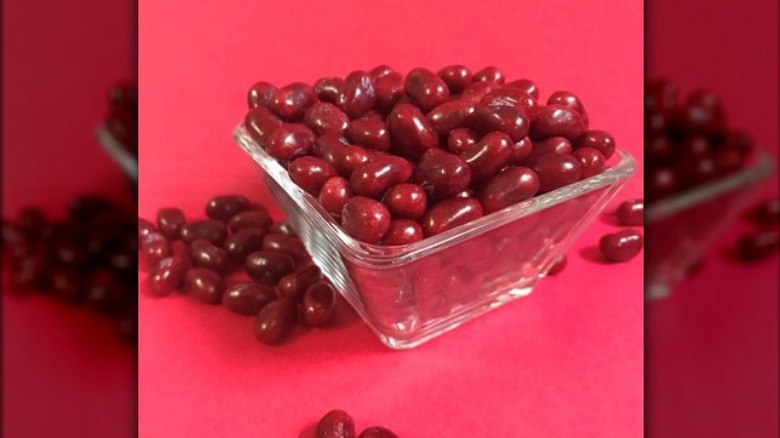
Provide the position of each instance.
(490, 74)
(310, 173)
(213, 230)
(508, 187)
(170, 221)
(657, 148)
(247, 298)
(291, 101)
(758, 246)
(224, 207)
(457, 77)
(512, 97)
(558, 266)
(510, 120)
(329, 147)
(380, 71)
(145, 228)
(476, 91)
(425, 88)
(377, 432)
(318, 305)
(403, 232)
(592, 161)
(597, 139)
(451, 115)
(328, 89)
(567, 98)
(373, 178)
(205, 254)
(661, 181)
(204, 285)
(365, 219)
(261, 94)
(268, 267)
(468, 193)
(411, 131)
(293, 285)
(631, 212)
(389, 91)
(290, 245)
(167, 276)
(432, 152)
(406, 201)
(526, 85)
(335, 424)
(767, 213)
(369, 133)
(283, 228)
(621, 246)
(249, 219)
(449, 214)
(357, 94)
(154, 252)
(557, 120)
(275, 321)
(460, 139)
(66, 283)
(443, 175)
(103, 293)
(557, 170)
(521, 150)
(352, 157)
(289, 141)
(489, 155)
(244, 242)
(334, 194)
(325, 118)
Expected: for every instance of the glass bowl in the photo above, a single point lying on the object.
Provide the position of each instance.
(118, 153)
(681, 228)
(411, 293)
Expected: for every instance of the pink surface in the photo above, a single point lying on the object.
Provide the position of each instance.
(712, 347)
(565, 361)
(65, 372)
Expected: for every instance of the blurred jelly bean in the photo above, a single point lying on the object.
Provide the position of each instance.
(660, 95)
(457, 77)
(275, 321)
(411, 130)
(661, 181)
(558, 266)
(402, 232)
(357, 94)
(291, 101)
(32, 222)
(66, 283)
(213, 230)
(145, 228)
(701, 114)
(758, 246)
(657, 148)
(443, 175)
(261, 94)
(373, 178)
(508, 187)
(365, 219)
(325, 118)
(621, 246)
(767, 213)
(310, 173)
(268, 267)
(247, 298)
(425, 88)
(244, 242)
(170, 221)
(631, 212)
(557, 170)
(289, 141)
(86, 207)
(449, 214)
(369, 133)
(489, 155)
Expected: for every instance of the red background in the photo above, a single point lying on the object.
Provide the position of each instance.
(566, 361)
(712, 347)
(65, 372)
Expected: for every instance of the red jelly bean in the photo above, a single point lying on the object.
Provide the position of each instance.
(567, 98)
(145, 228)
(621, 246)
(224, 207)
(329, 147)
(260, 123)
(701, 114)
(283, 228)
(247, 298)
(325, 118)
(291, 101)
(460, 139)
(210, 229)
(170, 222)
(334, 194)
(727, 160)
(488, 156)
(167, 276)
(432, 152)
(268, 267)
(661, 181)
(660, 95)
(510, 186)
(521, 150)
(275, 321)
(336, 424)
(451, 115)
(526, 85)
(244, 242)
(352, 157)
(449, 214)
(373, 178)
(512, 97)
(426, 89)
(557, 120)
(697, 170)
(490, 74)
(261, 94)
(293, 285)
(310, 173)
(104, 293)
(328, 89)
(412, 131)
(693, 147)
(758, 246)
(290, 141)
(656, 123)
(318, 304)
(443, 175)
(290, 245)
(205, 254)
(558, 266)
(66, 283)
(740, 140)
(476, 91)
(403, 232)
(389, 91)
(631, 212)
(767, 213)
(591, 161)
(154, 252)
(557, 170)
(204, 285)
(406, 201)
(365, 219)
(249, 219)
(657, 148)
(377, 432)
(507, 119)
(357, 94)
(369, 133)
(380, 71)
(457, 77)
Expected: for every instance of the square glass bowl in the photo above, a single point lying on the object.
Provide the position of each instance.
(682, 227)
(411, 293)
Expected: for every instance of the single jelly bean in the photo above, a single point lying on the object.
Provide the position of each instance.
(631, 212)
(244, 242)
(310, 173)
(389, 91)
(758, 246)
(403, 232)
(124, 263)
(526, 85)
(105, 294)
(443, 175)
(329, 147)
(260, 123)
(476, 91)
(488, 156)
(490, 74)
(250, 219)
(468, 193)
(661, 182)
(289, 141)
(510, 120)
(457, 77)
(283, 228)
(657, 148)
(567, 98)
(767, 213)
(261, 94)
(621, 246)
(373, 178)
(205, 254)
(426, 89)
(290, 245)
(66, 283)
(352, 157)
(224, 207)
(558, 266)
(369, 133)
(557, 170)
(268, 267)
(377, 432)
(449, 214)
(213, 230)
(170, 221)
(275, 321)
(512, 97)
(451, 115)
(432, 152)
(293, 285)
(328, 89)
(318, 304)
(365, 219)
(336, 424)
(357, 94)
(406, 201)
(521, 150)
(153, 253)
(168, 276)
(592, 161)
(380, 71)
(204, 285)
(460, 139)
(334, 194)
(508, 187)
(601, 140)
(291, 101)
(557, 120)
(701, 114)
(145, 228)
(325, 118)
(248, 298)
(411, 131)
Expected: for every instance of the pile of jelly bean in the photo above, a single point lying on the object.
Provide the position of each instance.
(339, 424)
